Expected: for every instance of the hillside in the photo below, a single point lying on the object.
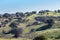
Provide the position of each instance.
(30, 25)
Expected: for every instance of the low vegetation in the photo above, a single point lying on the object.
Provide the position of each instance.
(44, 25)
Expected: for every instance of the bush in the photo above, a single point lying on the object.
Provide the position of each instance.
(41, 19)
(33, 12)
(35, 23)
(32, 30)
(4, 23)
(58, 37)
(20, 14)
(49, 23)
(28, 25)
(15, 31)
(27, 13)
(6, 15)
(13, 25)
(40, 38)
(19, 20)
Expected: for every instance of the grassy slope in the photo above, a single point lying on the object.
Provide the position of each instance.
(51, 33)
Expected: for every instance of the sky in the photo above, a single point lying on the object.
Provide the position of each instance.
(11, 6)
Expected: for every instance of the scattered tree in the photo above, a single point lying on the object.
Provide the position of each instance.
(13, 25)
(33, 12)
(6, 15)
(16, 31)
(20, 14)
(49, 22)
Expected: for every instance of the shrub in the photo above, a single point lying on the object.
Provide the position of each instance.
(41, 19)
(35, 23)
(58, 37)
(13, 25)
(40, 38)
(27, 13)
(32, 30)
(20, 14)
(28, 25)
(6, 15)
(33, 12)
(15, 31)
(49, 22)
(19, 20)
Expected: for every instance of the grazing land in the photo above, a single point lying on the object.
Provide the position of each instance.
(30, 25)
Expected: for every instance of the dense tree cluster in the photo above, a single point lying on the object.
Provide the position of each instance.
(20, 14)
(6, 15)
(15, 31)
(49, 22)
(41, 19)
